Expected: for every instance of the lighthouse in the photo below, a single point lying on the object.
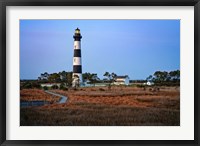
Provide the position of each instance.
(77, 65)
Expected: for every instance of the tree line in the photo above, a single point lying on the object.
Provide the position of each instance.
(171, 78)
(165, 78)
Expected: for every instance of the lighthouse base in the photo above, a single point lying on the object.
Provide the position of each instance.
(77, 80)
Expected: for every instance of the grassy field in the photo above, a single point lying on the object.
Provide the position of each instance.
(37, 95)
(98, 106)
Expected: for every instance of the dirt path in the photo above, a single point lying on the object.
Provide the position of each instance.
(63, 98)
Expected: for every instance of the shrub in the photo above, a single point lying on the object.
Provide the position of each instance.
(27, 86)
(141, 86)
(62, 86)
(54, 87)
(45, 88)
(65, 89)
(101, 89)
(30, 85)
(36, 85)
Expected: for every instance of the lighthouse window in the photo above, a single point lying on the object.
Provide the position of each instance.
(74, 60)
(75, 46)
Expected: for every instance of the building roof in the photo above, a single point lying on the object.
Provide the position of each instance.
(121, 77)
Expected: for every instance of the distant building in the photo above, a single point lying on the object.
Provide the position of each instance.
(50, 84)
(87, 83)
(121, 80)
(149, 83)
(138, 82)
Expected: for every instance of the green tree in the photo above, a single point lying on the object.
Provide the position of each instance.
(91, 77)
(86, 76)
(45, 88)
(27, 85)
(62, 86)
(63, 76)
(160, 76)
(149, 78)
(165, 78)
(69, 79)
(35, 84)
(94, 79)
(175, 75)
(55, 77)
(111, 78)
(107, 74)
(54, 87)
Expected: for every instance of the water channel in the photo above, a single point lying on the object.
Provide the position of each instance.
(41, 103)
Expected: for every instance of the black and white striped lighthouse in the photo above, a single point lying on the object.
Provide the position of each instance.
(77, 66)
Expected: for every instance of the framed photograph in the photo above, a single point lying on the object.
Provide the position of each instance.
(99, 72)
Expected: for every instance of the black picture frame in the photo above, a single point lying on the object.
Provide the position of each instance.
(5, 3)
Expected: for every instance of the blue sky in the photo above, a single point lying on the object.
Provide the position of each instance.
(136, 48)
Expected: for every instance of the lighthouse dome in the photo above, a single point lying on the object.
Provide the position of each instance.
(77, 30)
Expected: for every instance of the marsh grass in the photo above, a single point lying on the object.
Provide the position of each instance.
(128, 106)
(37, 95)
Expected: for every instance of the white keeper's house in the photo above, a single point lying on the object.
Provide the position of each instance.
(121, 80)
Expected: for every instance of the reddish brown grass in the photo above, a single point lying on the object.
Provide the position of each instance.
(129, 96)
(120, 106)
(37, 95)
